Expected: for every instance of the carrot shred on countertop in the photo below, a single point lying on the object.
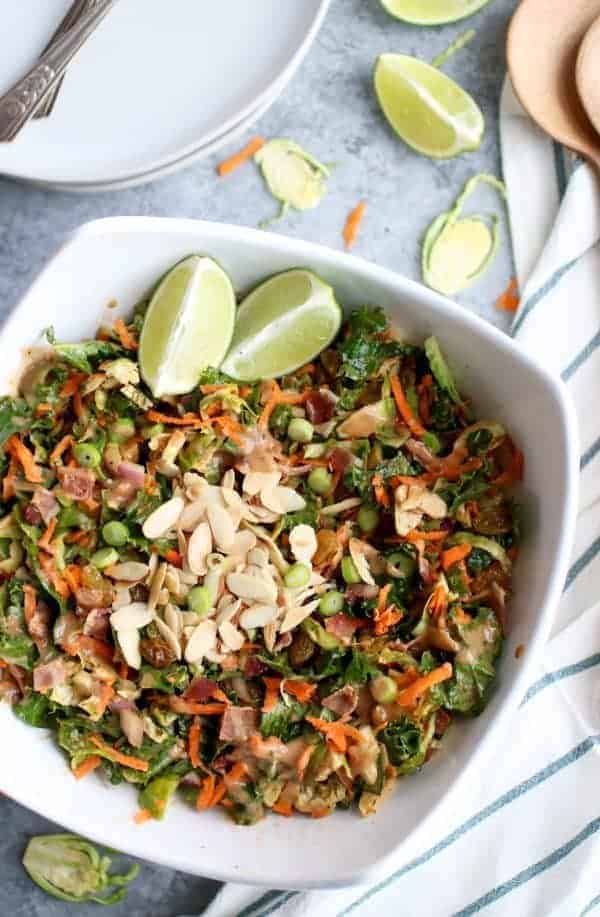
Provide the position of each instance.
(206, 792)
(509, 300)
(410, 695)
(88, 765)
(113, 754)
(455, 555)
(194, 743)
(125, 336)
(272, 693)
(61, 447)
(353, 222)
(22, 454)
(404, 409)
(233, 162)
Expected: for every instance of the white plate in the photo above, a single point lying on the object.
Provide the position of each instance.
(157, 82)
(122, 258)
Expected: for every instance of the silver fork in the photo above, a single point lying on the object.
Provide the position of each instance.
(77, 9)
(19, 104)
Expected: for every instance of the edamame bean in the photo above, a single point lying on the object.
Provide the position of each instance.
(300, 430)
(331, 603)
(298, 575)
(115, 534)
(320, 480)
(86, 455)
(368, 519)
(104, 558)
(383, 689)
(349, 571)
(198, 600)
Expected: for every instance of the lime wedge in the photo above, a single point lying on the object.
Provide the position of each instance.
(281, 325)
(432, 12)
(188, 325)
(427, 109)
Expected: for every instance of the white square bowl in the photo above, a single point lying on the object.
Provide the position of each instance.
(120, 258)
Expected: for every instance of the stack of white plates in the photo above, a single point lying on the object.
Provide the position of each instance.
(160, 84)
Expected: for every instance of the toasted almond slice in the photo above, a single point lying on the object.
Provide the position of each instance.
(192, 514)
(202, 639)
(360, 561)
(169, 636)
(156, 585)
(258, 557)
(334, 509)
(222, 527)
(270, 632)
(282, 499)
(250, 587)
(130, 572)
(129, 644)
(296, 615)
(259, 514)
(231, 636)
(174, 620)
(258, 616)
(256, 481)
(433, 505)
(189, 620)
(164, 596)
(228, 610)
(121, 597)
(243, 542)
(163, 519)
(303, 543)
(131, 617)
(228, 479)
(199, 547)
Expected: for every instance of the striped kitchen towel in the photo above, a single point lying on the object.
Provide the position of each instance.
(523, 838)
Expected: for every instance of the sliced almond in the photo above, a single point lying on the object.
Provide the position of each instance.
(163, 519)
(169, 636)
(192, 514)
(174, 620)
(280, 499)
(129, 644)
(334, 509)
(228, 479)
(228, 610)
(121, 597)
(258, 616)
(243, 542)
(270, 635)
(258, 557)
(202, 639)
(259, 514)
(131, 617)
(433, 505)
(222, 527)
(156, 585)
(250, 587)
(231, 636)
(360, 561)
(199, 547)
(130, 572)
(296, 615)
(303, 543)
(257, 481)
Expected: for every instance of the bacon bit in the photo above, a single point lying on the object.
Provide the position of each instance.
(218, 794)
(113, 754)
(44, 542)
(381, 495)
(194, 743)
(72, 385)
(283, 808)
(86, 767)
(43, 408)
(455, 555)
(509, 300)
(188, 420)
(410, 695)
(25, 457)
(353, 222)
(30, 602)
(178, 705)
(234, 162)
(142, 817)
(206, 793)
(514, 473)
(173, 557)
(336, 733)
(271, 694)
(404, 409)
(60, 447)
(125, 336)
(308, 369)
(423, 479)
(236, 774)
(301, 690)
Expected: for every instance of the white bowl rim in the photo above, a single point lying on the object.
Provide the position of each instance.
(554, 585)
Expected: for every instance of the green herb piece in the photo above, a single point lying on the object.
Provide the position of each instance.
(86, 355)
(440, 369)
(155, 796)
(284, 721)
(34, 710)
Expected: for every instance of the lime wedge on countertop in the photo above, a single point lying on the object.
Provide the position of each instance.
(432, 12)
(188, 326)
(282, 324)
(427, 109)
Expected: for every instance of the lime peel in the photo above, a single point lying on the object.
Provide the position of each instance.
(458, 250)
(293, 176)
(432, 12)
(456, 45)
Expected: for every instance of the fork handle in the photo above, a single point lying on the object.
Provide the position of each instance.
(20, 102)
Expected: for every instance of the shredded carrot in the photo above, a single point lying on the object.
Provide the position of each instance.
(188, 420)
(191, 708)
(44, 542)
(88, 765)
(219, 695)
(509, 300)
(410, 695)
(60, 447)
(423, 479)
(106, 695)
(24, 456)
(382, 598)
(461, 615)
(352, 225)
(279, 397)
(218, 794)
(283, 808)
(30, 602)
(78, 407)
(47, 564)
(320, 813)
(514, 473)
(72, 385)
(381, 494)
(174, 557)
(82, 643)
(272, 693)
(125, 336)
(72, 577)
(404, 409)
(387, 619)
(236, 774)
(233, 162)
(415, 536)
(43, 408)
(113, 754)
(141, 817)
(123, 671)
(206, 793)
(231, 428)
(403, 679)
(194, 743)
(455, 555)
(337, 733)
(304, 760)
(301, 690)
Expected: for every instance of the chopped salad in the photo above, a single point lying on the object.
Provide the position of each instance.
(265, 596)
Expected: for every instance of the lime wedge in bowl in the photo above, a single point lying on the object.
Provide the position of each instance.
(188, 326)
(427, 109)
(282, 324)
(432, 12)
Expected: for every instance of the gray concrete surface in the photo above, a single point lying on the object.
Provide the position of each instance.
(330, 109)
